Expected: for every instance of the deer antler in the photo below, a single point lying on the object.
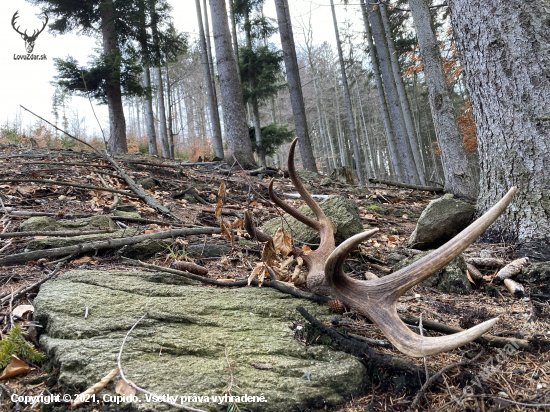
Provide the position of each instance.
(377, 299)
(15, 16)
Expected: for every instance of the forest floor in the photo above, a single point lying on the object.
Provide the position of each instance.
(523, 378)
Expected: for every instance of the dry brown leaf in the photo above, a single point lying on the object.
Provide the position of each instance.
(219, 209)
(85, 396)
(256, 272)
(298, 277)
(283, 242)
(221, 192)
(286, 262)
(269, 255)
(123, 389)
(83, 259)
(227, 232)
(23, 310)
(253, 203)
(15, 367)
(306, 250)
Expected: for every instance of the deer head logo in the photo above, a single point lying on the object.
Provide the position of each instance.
(29, 40)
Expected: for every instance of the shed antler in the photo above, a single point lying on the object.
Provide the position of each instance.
(377, 299)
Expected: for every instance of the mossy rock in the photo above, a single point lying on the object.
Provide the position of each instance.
(307, 176)
(193, 327)
(127, 208)
(146, 249)
(341, 210)
(327, 181)
(54, 242)
(48, 224)
(451, 279)
(122, 213)
(147, 183)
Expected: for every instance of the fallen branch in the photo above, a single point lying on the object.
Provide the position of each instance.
(58, 183)
(22, 291)
(280, 286)
(485, 340)
(16, 213)
(85, 396)
(150, 221)
(137, 388)
(104, 244)
(67, 233)
(408, 186)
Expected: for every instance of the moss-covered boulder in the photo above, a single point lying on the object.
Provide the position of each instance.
(48, 224)
(180, 348)
(147, 183)
(451, 279)
(145, 249)
(122, 213)
(307, 176)
(341, 210)
(54, 242)
(538, 275)
(443, 219)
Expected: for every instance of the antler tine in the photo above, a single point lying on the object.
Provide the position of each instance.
(295, 213)
(377, 299)
(300, 188)
(15, 17)
(253, 231)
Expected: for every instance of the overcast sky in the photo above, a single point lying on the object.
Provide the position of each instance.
(27, 83)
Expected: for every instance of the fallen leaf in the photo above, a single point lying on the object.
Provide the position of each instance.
(15, 367)
(269, 255)
(123, 389)
(84, 259)
(221, 192)
(306, 250)
(283, 242)
(23, 310)
(219, 209)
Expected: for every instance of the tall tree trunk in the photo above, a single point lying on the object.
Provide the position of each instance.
(390, 137)
(403, 100)
(238, 140)
(369, 150)
(163, 131)
(355, 146)
(208, 46)
(210, 88)
(294, 84)
(234, 37)
(505, 53)
(401, 138)
(458, 178)
(117, 122)
(169, 111)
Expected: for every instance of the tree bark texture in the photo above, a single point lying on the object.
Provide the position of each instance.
(163, 131)
(353, 134)
(238, 140)
(210, 86)
(505, 53)
(117, 122)
(406, 158)
(458, 178)
(294, 85)
(149, 115)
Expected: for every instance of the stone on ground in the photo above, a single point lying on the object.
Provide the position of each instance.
(341, 210)
(307, 176)
(45, 223)
(192, 327)
(54, 242)
(451, 279)
(443, 219)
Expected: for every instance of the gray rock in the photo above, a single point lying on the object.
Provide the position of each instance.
(395, 258)
(451, 279)
(327, 181)
(307, 176)
(147, 183)
(53, 242)
(441, 221)
(145, 249)
(207, 249)
(538, 275)
(122, 213)
(342, 211)
(192, 327)
(44, 223)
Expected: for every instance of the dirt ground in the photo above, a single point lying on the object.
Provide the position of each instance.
(494, 382)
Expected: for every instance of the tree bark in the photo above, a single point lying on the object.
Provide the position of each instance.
(210, 87)
(238, 140)
(353, 135)
(234, 37)
(403, 100)
(163, 131)
(404, 151)
(505, 53)
(117, 122)
(149, 116)
(294, 85)
(458, 178)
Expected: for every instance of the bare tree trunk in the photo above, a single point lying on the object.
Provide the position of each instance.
(505, 54)
(401, 137)
(382, 99)
(458, 178)
(234, 37)
(238, 140)
(117, 122)
(190, 115)
(369, 150)
(355, 146)
(210, 87)
(163, 131)
(169, 120)
(294, 84)
(403, 100)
